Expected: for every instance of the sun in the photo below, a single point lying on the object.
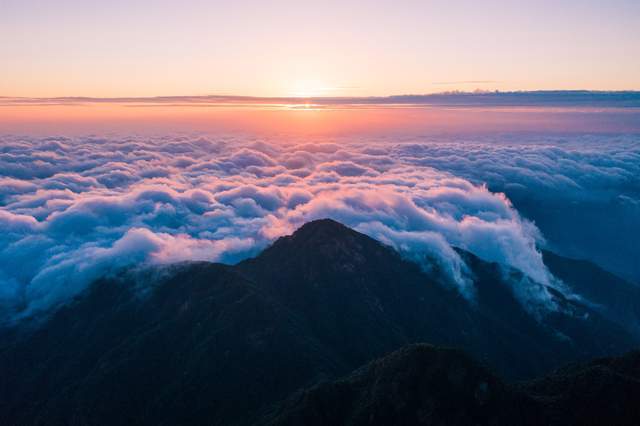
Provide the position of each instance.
(309, 88)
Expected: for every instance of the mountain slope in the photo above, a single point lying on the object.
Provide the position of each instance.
(204, 344)
(613, 297)
(426, 385)
(602, 391)
(418, 384)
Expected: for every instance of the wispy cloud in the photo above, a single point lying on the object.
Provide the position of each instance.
(465, 82)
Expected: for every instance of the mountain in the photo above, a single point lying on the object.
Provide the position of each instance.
(426, 385)
(198, 343)
(611, 296)
(364, 300)
(416, 385)
(598, 392)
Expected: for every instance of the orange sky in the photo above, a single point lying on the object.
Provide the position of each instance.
(378, 120)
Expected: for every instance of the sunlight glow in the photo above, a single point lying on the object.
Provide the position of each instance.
(310, 89)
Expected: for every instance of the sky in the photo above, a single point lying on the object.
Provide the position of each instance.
(329, 48)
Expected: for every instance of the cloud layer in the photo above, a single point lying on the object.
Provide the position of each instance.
(74, 209)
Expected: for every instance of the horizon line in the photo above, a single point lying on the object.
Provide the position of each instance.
(577, 97)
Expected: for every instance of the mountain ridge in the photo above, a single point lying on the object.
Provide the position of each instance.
(423, 385)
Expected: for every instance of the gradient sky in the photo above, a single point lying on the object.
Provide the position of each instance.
(320, 48)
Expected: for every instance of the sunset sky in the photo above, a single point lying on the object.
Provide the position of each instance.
(328, 48)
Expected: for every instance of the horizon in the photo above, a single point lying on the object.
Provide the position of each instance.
(213, 96)
(452, 112)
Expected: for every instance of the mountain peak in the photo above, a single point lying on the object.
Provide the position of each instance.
(322, 229)
(325, 237)
(322, 222)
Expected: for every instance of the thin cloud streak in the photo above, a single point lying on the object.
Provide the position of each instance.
(466, 82)
(577, 99)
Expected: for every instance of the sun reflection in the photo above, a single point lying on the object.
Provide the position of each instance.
(305, 106)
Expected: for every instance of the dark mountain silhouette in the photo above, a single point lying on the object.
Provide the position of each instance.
(604, 391)
(204, 344)
(426, 385)
(201, 343)
(416, 385)
(365, 300)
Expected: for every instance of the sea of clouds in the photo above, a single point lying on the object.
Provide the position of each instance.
(583, 192)
(74, 209)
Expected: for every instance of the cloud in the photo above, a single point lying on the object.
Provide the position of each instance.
(581, 191)
(72, 210)
(465, 82)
